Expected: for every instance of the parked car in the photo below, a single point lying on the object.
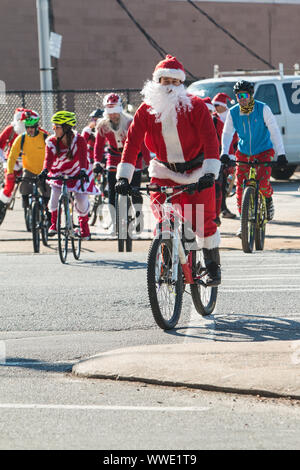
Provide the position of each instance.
(280, 92)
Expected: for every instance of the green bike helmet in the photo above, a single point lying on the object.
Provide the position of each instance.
(30, 118)
(64, 117)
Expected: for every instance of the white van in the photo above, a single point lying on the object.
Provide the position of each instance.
(280, 92)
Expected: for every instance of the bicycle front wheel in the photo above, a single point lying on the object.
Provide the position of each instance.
(165, 295)
(204, 298)
(248, 219)
(62, 229)
(35, 227)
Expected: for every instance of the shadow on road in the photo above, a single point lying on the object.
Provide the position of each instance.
(229, 328)
(37, 365)
(112, 263)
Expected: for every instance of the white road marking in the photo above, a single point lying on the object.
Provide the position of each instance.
(37, 406)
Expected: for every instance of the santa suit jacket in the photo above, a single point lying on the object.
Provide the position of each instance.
(171, 142)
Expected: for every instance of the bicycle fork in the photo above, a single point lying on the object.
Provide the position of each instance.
(178, 255)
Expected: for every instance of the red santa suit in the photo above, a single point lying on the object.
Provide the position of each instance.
(89, 136)
(177, 139)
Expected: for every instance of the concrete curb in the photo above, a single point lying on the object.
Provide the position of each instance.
(268, 368)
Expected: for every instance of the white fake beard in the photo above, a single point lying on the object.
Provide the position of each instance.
(166, 100)
(223, 115)
(19, 127)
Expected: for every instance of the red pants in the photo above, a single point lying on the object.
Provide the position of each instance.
(198, 208)
(263, 174)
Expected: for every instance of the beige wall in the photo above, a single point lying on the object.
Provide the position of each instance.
(102, 48)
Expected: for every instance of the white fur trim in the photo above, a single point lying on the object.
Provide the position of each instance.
(113, 109)
(172, 141)
(125, 170)
(210, 107)
(3, 198)
(172, 73)
(213, 241)
(211, 165)
(219, 103)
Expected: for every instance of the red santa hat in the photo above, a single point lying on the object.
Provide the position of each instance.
(208, 103)
(169, 67)
(221, 99)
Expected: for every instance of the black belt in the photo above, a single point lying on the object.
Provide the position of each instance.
(182, 167)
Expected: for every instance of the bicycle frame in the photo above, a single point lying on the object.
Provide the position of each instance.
(175, 220)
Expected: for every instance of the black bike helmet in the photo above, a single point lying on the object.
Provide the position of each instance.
(243, 85)
(97, 113)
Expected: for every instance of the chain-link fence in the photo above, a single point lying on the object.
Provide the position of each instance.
(81, 102)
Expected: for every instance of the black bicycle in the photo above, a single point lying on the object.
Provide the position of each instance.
(99, 203)
(36, 214)
(67, 227)
(254, 208)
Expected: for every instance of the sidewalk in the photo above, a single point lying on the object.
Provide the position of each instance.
(269, 368)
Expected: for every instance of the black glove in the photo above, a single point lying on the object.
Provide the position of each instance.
(282, 161)
(225, 159)
(43, 175)
(84, 176)
(123, 187)
(98, 168)
(206, 181)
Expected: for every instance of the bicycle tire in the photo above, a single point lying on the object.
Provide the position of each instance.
(62, 229)
(44, 226)
(95, 209)
(28, 218)
(160, 289)
(121, 224)
(3, 213)
(75, 239)
(247, 219)
(204, 298)
(260, 231)
(35, 227)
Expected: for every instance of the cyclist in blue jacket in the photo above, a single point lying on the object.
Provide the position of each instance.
(258, 139)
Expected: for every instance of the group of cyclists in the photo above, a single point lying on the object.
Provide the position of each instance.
(193, 140)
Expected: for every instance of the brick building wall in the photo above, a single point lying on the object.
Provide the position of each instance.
(102, 48)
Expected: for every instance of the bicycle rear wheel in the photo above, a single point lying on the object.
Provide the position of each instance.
(44, 226)
(28, 218)
(248, 219)
(62, 229)
(260, 230)
(75, 238)
(204, 298)
(35, 226)
(2, 212)
(165, 295)
(122, 222)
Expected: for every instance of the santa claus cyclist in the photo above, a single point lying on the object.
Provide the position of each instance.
(7, 138)
(112, 131)
(178, 129)
(66, 154)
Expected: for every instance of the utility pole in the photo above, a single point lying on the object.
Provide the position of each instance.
(42, 7)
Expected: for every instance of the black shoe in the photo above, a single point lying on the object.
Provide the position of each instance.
(212, 262)
(228, 215)
(270, 208)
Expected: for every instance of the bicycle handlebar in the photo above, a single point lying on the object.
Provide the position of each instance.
(67, 178)
(254, 163)
(169, 189)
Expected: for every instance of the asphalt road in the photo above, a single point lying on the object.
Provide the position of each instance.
(53, 315)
